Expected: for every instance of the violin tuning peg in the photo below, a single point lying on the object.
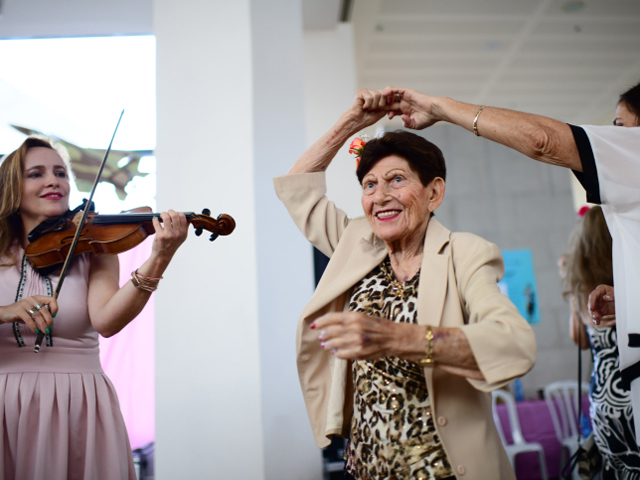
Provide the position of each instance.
(199, 231)
(213, 236)
(206, 211)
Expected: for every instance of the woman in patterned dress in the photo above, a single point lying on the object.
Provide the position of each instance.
(589, 264)
(59, 413)
(407, 331)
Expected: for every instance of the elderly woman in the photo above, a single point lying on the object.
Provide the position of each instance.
(407, 330)
(606, 161)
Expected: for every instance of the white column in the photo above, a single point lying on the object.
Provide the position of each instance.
(330, 87)
(230, 117)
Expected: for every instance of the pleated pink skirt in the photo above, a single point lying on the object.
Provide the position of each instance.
(60, 418)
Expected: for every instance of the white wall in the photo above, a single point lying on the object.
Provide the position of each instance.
(329, 90)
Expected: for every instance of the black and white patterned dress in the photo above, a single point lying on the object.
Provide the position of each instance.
(611, 412)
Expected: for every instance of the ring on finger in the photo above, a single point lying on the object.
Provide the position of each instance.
(38, 306)
(31, 312)
(398, 97)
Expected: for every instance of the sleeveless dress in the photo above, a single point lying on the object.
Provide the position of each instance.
(59, 412)
(610, 410)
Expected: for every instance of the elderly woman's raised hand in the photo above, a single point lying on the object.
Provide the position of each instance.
(368, 107)
(414, 108)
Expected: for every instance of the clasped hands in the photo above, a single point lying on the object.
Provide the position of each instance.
(414, 108)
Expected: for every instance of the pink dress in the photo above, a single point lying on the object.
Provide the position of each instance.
(59, 412)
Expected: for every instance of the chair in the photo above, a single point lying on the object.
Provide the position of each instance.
(519, 444)
(562, 399)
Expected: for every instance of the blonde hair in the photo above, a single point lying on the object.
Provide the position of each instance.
(588, 256)
(11, 227)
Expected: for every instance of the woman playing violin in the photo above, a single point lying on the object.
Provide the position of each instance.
(60, 414)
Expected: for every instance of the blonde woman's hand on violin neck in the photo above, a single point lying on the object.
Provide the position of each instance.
(36, 312)
(170, 234)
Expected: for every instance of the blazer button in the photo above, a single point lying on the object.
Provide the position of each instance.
(461, 470)
(442, 420)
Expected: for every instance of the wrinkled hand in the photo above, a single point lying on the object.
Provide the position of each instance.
(170, 234)
(414, 108)
(602, 307)
(42, 318)
(368, 107)
(354, 335)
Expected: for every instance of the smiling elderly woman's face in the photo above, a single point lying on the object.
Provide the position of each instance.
(395, 201)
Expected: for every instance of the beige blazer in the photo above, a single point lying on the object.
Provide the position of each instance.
(458, 288)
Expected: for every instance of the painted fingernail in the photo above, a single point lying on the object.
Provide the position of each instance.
(313, 326)
(333, 352)
(37, 332)
(48, 330)
(54, 315)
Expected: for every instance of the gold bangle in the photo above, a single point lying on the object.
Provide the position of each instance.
(428, 360)
(475, 121)
(148, 284)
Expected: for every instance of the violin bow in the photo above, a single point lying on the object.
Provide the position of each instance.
(72, 248)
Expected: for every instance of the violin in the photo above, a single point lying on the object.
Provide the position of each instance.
(50, 241)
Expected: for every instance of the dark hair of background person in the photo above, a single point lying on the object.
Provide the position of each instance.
(588, 256)
(423, 156)
(631, 99)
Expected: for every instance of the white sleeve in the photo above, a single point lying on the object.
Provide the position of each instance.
(616, 152)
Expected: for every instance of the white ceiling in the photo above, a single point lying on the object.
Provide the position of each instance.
(566, 59)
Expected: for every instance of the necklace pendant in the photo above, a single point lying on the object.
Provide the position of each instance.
(397, 289)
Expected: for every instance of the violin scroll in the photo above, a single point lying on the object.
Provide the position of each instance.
(223, 225)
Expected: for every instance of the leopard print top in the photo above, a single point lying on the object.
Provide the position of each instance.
(392, 431)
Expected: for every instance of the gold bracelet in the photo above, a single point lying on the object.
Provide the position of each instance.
(475, 121)
(428, 360)
(148, 284)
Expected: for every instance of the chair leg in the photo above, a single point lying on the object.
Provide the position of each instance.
(543, 466)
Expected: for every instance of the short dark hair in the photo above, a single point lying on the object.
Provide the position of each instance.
(631, 99)
(423, 156)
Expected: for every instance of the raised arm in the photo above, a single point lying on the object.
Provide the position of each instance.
(535, 136)
(368, 107)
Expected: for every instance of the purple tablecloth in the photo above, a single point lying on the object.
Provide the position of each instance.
(537, 426)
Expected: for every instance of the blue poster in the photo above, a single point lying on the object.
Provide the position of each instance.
(519, 283)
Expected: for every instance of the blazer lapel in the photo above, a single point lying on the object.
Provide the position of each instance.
(433, 274)
(340, 275)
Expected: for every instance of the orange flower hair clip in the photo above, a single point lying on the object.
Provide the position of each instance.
(357, 146)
